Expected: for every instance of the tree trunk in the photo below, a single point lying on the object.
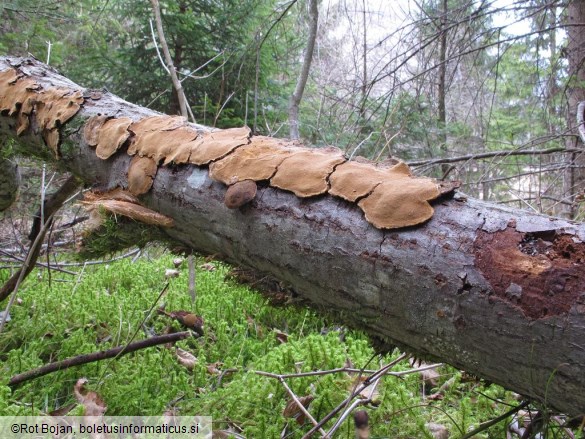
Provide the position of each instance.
(574, 176)
(495, 291)
(442, 85)
(295, 99)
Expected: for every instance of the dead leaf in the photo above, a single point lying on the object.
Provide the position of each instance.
(293, 411)
(62, 411)
(208, 267)
(281, 336)
(437, 430)
(93, 404)
(171, 272)
(186, 358)
(212, 368)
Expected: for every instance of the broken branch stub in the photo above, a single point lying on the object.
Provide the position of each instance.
(131, 210)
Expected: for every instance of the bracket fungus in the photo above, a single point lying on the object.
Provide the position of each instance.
(400, 203)
(256, 161)
(306, 171)
(141, 173)
(354, 180)
(161, 144)
(52, 107)
(240, 193)
(390, 197)
(112, 135)
(217, 144)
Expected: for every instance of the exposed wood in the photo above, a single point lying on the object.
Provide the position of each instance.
(496, 291)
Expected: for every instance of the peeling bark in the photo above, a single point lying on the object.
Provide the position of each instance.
(496, 291)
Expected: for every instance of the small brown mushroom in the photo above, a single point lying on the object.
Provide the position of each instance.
(240, 193)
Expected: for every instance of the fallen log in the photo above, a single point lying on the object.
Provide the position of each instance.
(495, 291)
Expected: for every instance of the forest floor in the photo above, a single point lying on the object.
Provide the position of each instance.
(223, 373)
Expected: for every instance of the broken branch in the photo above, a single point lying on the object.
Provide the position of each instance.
(97, 356)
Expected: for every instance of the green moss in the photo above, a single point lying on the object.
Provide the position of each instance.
(115, 234)
(104, 305)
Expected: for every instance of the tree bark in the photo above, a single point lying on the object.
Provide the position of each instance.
(495, 291)
(574, 177)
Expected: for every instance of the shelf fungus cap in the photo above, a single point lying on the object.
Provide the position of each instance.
(111, 135)
(255, 161)
(400, 203)
(306, 171)
(141, 173)
(240, 193)
(214, 145)
(162, 144)
(354, 180)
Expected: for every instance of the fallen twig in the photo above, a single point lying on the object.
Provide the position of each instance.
(97, 356)
(346, 403)
(488, 424)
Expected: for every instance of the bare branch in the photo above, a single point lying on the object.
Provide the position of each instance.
(97, 356)
(581, 121)
(487, 155)
(169, 60)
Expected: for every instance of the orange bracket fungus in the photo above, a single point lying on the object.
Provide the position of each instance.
(305, 172)
(389, 196)
(256, 161)
(22, 98)
(214, 145)
(141, 173)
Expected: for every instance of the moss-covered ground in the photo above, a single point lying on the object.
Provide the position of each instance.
(61, 315)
